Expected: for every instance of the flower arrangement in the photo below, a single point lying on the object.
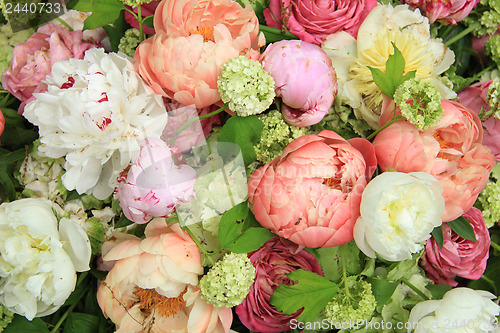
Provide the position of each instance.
(245, 166)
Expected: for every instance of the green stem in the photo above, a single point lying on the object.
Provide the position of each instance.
(192, 120)
(64, 23)
(274, 35)
(392, 121)
(200, 246)
(445, 34)
(495, 246)
(344, 275)
(459, 36)
(490, 282)
(415, 289)
(139, 19)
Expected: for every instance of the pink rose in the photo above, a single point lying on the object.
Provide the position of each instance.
(155, 184)
(458, 256)
(193, 40)
(451, 11)
(276, 258)
(153, 284)
(473, 97)
(195, 134)
(313, 21)
(304, 79)
(311, 194)
(33, 60)
(451, 151)
(146, 10)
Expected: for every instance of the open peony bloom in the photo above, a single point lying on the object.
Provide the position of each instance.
(458, 256)
(272, 261)
(39, 258)
(153, 285)
(194, 38)
(304, 79)
(451, 11)
(155, 184)
(95, 114)
(474, 98)
(313, 21)
(312, 192)
(471, 311)
(451, 151)
(33, 60)
(398, 213)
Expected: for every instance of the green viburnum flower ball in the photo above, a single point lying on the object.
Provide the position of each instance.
(420, 103)
(135, 3)
(493, 97)
(129, 42)
(228, 282)
(492, 48)
(488, 200)
(245, 86)
(6, 317)
(359, 304)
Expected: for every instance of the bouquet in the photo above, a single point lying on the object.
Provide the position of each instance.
(250, 166)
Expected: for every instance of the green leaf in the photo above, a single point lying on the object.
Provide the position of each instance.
(116, 31)
(393, 76)
(311, 292)
(81, 323)
(123, 222)
(81, 5)
(21, 324)
(438, 290)
(104, 12)
(437, 234)
(245, 132)
(382, 290)
(72, 195)
(148, 21)
(239, 231)
(463, 228)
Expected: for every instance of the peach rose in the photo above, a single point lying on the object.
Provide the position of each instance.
(183, 60)
(452, 151)
(312, 192)
(153, 285)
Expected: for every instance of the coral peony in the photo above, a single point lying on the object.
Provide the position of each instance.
(33, 60)
(313, 21)
(304, 79)
(312, 192)
(155, 184)
(474, 98)
(194, 39)
(451, 151)
(451, 11)
(153, 285)
(458, 256)
(272, 261)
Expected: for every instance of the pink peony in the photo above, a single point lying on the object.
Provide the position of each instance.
(153, 285)
(155, 184)
(451, 151)
(276, 258)
(451, 11)
(195, 134)
(33, 60)
(312, 192)
(458, 256)
(313, 21)
(2, 122)
(304, 79)
(473, 97)
(146, 10)
(194, 39)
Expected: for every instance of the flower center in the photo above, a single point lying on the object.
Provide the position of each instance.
(334, 183)
(151, 301)
(205, 31)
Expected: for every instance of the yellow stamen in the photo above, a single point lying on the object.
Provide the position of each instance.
(151, 301)
(205, 31)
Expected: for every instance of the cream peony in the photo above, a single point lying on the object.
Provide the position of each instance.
(460, 310)
(39, 262)
(410, 32)
(398, 213)
(95, 113)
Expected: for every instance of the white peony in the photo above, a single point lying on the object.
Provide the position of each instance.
(398, 213)
(95, 113)
(460, 310)
(38, 262)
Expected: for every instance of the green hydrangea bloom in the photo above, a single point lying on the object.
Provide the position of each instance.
(492, 49)
(359, 306)
(9, 39)
(228, 282)
(135, 3)
(6, 317)
(245, 86)
(488, 200)
(420, 103)
(276, 135)
(493, 97)
(129, 42)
